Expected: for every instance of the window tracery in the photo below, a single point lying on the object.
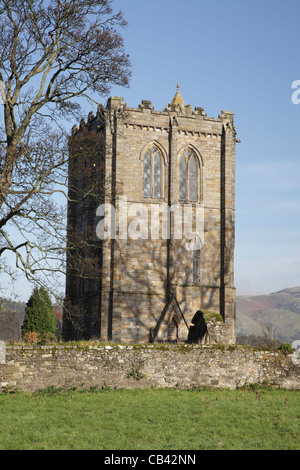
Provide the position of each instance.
(153, 173)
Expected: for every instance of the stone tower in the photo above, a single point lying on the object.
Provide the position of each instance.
(164, 241)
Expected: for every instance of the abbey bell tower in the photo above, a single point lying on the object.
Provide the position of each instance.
(166, 266)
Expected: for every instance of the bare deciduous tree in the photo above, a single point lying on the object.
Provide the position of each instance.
(52, 53)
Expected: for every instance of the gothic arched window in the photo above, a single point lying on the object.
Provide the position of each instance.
(192, 179)
(182, 178)
(153, 173)
(189, 172)
(157, 175)
(147, 175)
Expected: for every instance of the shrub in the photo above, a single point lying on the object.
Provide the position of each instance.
(48, 337)
(31, 337)
(39, 315)
(286, 348)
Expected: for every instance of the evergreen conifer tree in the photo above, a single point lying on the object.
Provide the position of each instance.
(39, 315)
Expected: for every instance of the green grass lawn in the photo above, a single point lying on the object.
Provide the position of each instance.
(151, 420)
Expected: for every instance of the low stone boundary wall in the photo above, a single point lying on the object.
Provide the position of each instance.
(33, 368)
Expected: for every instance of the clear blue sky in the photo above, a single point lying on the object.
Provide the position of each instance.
(242, 57)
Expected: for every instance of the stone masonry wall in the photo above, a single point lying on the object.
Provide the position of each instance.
(33, 368)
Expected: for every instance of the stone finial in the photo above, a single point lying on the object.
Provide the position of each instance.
(100, 110)
(91, 116)
(178, 99)
(75, 129)
(178, 105)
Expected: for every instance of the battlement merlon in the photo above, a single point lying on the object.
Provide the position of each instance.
(115, 103)
(177, 109)
(180, 108)
(227, 116)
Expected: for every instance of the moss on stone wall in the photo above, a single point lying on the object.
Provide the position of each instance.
(209, 316)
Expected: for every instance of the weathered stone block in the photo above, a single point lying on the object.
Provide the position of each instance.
(2, 353)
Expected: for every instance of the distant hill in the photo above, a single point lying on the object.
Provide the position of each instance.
(279, 309)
